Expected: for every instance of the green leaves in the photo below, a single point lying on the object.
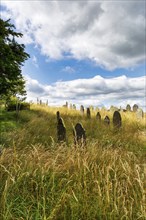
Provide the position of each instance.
(12, 57)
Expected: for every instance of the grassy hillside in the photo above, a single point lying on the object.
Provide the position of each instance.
(41, 179)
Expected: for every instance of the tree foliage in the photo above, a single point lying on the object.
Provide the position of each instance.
(12, 57)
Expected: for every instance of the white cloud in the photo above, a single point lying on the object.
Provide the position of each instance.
(35, 61)
(95, 91)
(68, 69)
(112, 34)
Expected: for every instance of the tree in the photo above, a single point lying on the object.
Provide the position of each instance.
(12, 57)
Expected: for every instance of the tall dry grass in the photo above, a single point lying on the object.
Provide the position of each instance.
(41, 179)
(68, 183)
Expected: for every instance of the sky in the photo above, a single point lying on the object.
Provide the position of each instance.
(84, 52)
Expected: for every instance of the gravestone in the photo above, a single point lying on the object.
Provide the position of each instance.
(40, 102)
(58, 115)
(128, 108)
(135, 107)
(98, 116)
(61, 130)
(82, 109)
(70, 106)
(47, 102)
(88, 113)
(37, 101)
(79, 135)
(117, 120)
(66, 105)
(74, 106)
(106, 120)
(113, 108)
(139, 114)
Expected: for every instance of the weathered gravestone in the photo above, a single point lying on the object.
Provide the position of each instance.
(61, 130)
(88, 113)
(106, 120)
(37, 101)
(128, 108)
(70, 106)
(82, 109)
(113, 108)
(98, 116)
(79, 135)
(135, 108)
(74, 106)
(58, 115)
(117, 120)
(66, 105)
(139, 114)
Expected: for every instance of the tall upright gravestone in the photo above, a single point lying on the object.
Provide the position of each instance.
(88, 113)
(117, 120)
(82, 110)
(79, 135)
(61, 130)
(74, 106)
(58, 115)
(98, 116)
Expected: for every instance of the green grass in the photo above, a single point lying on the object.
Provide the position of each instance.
(41, 179)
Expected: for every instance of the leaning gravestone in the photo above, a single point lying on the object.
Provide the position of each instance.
(58, 115)
(88, 113)
(82, 109)
(61, 130)
(117, 120)
(98, 116)
(128, 108)
(79, 135)
(135, 108)
(139, 114)
(106, 120)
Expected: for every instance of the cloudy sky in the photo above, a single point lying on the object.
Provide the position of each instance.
(84, 52)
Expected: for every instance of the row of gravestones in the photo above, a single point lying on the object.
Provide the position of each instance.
(139, 113)
(135, 108)
(112, 108)
(79, 132)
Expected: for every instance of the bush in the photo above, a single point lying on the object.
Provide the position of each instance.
(21, 106)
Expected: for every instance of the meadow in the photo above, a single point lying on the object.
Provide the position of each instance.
(41, 179)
